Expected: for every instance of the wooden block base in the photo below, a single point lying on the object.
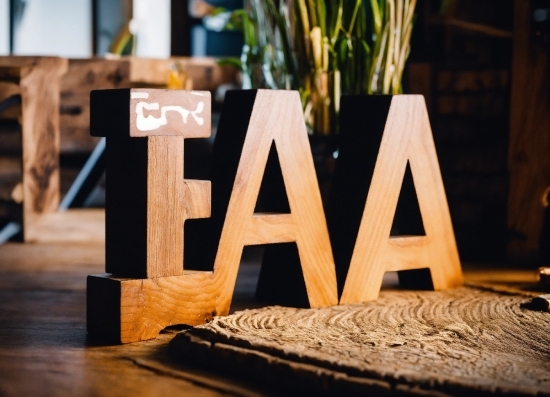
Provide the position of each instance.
(122, 310)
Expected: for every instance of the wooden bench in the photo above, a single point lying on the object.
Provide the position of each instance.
(36, 81)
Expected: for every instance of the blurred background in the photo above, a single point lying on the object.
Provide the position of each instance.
(481, 65)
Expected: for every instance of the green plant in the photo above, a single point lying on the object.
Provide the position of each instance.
(325, 48)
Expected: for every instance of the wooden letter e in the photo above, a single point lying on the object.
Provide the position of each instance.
(148, 201)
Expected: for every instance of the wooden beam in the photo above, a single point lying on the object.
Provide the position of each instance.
(39, 82)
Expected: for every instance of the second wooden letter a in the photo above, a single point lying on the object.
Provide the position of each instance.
(380, 135)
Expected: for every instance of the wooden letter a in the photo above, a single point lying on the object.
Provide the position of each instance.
(252, 121)
(379, 136)
(277, 118)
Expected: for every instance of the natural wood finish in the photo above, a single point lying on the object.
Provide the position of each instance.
(277, 117)
(40, 136)
(11, 73)
(270, 228)
(165, 210)
(205, 73)
(153, 72)
(171, 200)
(148, 196)
(459, 342)
(131, 310)
(144, 307)
(197, 203)
(405, 138)
(39, 80)
(44, 349)
(529, 144)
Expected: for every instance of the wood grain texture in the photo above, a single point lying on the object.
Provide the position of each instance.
(529, 144)
(457, 342)
(144, 112)
(10, 72)
(39, 85)
(44, 348)
(39, 82)
(171, 200)
(141, 308)
(404, 133)
(149, 200)
(277, 117)
(147, 71)
(204, 72)
(40, 135)
(197, 203)
(165, 212)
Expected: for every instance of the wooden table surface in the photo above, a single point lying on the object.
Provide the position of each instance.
(44, 349)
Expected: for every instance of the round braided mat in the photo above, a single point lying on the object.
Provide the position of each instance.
(464, 341)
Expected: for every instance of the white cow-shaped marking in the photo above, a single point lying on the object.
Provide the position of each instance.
(150, 122)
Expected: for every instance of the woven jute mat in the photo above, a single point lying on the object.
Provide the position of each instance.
(465, 341)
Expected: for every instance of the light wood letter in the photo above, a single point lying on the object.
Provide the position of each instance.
(406, 138)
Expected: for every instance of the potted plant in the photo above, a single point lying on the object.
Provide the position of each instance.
(323, 49)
